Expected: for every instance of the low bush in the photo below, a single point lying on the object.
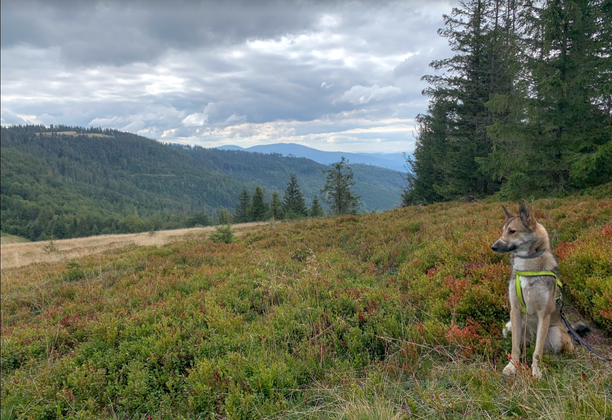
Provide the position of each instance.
(395, 315)
(222, 234)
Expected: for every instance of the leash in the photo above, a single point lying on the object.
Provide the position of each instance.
(576, 336)
(560, 304)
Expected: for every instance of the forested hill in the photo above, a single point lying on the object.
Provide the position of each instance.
(69, 181)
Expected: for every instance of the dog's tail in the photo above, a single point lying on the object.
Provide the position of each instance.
(581, 328)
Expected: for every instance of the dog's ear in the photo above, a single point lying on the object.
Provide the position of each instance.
(527, 219)
(508, 213)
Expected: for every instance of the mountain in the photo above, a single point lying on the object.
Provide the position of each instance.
(395, 161)
(67, 182)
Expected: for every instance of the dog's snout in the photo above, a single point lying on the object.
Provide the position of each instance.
(498, 247)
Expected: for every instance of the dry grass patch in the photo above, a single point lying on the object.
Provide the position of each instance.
(7, 238)
(72, 133)
(21, 254)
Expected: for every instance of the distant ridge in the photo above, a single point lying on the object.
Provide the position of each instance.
(395, 161)
(230, 147)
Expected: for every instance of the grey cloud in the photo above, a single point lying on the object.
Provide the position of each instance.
(8, 117)
(117, 33)
(362, 95)
(156, 68)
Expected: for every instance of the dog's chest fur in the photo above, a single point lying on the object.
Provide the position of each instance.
(538, 292)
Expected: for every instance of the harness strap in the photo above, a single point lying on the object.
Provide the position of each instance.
(569, 327)
(519, 291)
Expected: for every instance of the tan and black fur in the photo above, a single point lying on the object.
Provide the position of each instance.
(523, 237)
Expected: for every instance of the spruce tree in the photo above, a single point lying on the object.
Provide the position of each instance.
(454, 135)
(553, 131)
(469, 79)
(427, 162)
(243, 213)
(276, 211)
(293, 201)
(224, 217)
(572, 75)
(259, 208)
(337, 190)
(315, 209)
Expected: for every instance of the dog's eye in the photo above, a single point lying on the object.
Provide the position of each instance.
(511, 231)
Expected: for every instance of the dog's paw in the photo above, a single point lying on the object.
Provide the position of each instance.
(509, 370)
(537, 373)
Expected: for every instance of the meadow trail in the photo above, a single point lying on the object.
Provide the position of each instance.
(396, 315)
(24, 253)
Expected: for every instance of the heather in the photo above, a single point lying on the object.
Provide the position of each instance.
(391, 315)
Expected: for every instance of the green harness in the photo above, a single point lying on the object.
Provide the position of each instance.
(519, 291)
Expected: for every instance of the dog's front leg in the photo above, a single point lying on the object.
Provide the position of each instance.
(516, 320)
(543, 324)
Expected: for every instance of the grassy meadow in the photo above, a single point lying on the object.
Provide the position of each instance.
(7, 238)
(71, 133)
(383, 316)
(18, 252)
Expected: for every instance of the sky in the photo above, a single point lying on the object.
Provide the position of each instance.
(332, 75)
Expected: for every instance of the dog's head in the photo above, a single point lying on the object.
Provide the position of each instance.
(519, 231)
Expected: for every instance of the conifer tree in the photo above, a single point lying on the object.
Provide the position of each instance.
(315, 209)
(469, 79)
(556, 130)
(572, 78)
(337, 190)
(200, 219)
(293, 201)
(259, 208)
(276, 211)
(243, 213)
(433, 130)
(224, 217)
(454, 136)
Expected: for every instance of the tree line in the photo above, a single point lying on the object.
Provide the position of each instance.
(79, 182)
(523, 107)
(336, 193)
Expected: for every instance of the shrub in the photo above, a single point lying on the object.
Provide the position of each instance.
(395, 314)
(222, 234)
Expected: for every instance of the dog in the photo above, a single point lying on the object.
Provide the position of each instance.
(533, 298)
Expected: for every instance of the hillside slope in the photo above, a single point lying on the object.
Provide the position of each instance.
(392, 315)
(85, 182)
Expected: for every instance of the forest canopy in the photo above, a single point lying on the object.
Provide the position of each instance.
(63, 182)
(524, 106)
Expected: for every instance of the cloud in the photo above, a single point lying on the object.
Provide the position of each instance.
(8, 117)
(359, 95)
(212, 72)
(346, 131)
(199, 119)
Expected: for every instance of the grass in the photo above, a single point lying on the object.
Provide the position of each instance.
(392, 316)
(17, 253)
(72, 133)
(7, 238)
